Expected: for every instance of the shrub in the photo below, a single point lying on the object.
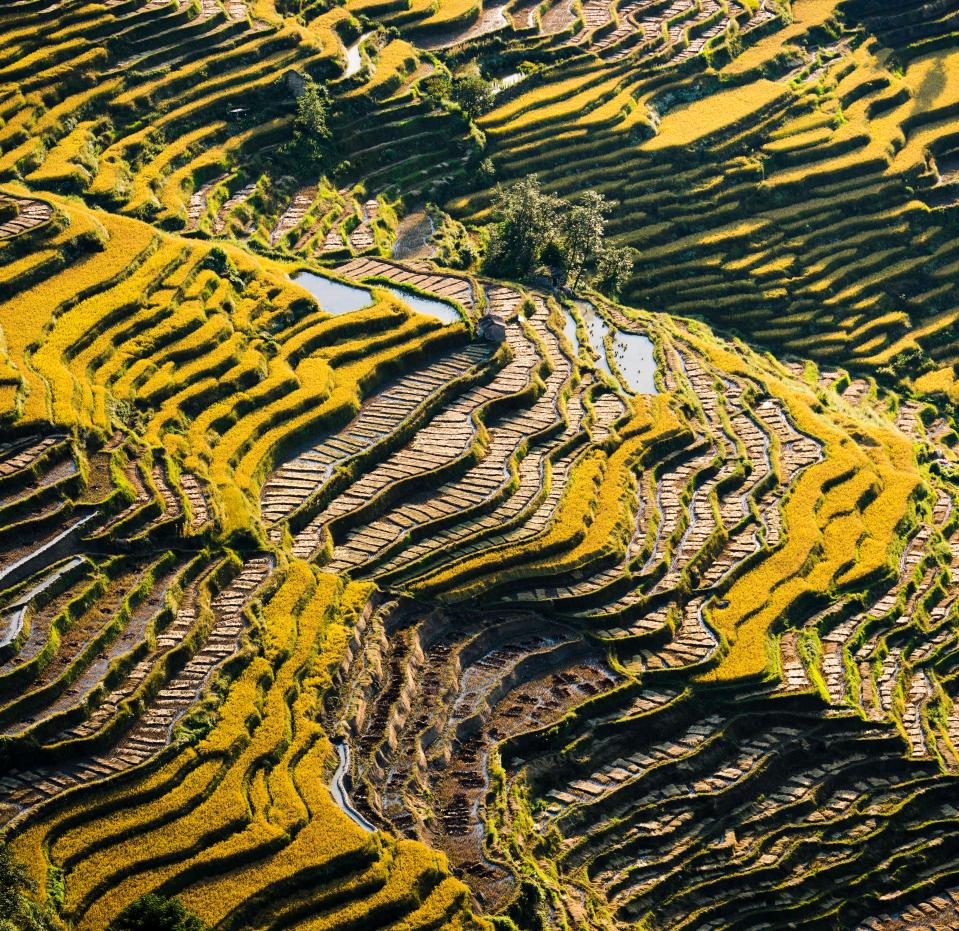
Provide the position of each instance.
(18, 911)
(156, 913)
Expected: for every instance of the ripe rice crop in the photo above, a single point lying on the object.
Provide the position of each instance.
(350, 619)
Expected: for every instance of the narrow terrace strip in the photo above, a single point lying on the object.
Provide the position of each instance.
(295, 481)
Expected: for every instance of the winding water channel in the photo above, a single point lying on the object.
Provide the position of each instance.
(339, 791)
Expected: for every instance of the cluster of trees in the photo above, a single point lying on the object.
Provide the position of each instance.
(19, 910)
(533, 228)
(468, 89)
(472, 93)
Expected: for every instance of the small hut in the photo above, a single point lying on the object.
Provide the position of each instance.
(294, 82)
(492, 328)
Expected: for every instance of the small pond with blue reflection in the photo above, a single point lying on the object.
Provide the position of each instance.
(429, 306)
(335, 297)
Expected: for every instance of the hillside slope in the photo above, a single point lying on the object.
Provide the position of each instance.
(320, 610)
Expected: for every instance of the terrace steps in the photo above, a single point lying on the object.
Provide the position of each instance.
(551, 697)
(441, 286)
(28, 215)
(475, 491)
(444, 441)
(292, 484)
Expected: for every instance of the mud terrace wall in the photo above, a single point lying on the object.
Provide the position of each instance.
(275, 571)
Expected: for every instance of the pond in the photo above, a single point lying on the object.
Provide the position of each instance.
(632, 352)
(354, 60)
(429, 306)
(334, 296)
(596, 329)
(634, 357)
(569, 330)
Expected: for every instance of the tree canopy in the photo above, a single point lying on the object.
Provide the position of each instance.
(157, 913)
(530, 224)
(311, 142)
(472, 93)
(527, 222)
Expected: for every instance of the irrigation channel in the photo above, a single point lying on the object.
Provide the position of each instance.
(339, 791)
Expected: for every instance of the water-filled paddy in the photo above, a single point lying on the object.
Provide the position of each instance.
(334, 296)
(429, 306)
(354, 58)
(632, 352)
(569, 330)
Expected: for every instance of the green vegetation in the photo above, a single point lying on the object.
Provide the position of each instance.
(531, 226)
(472, 94)
(527, 223)
(18, 910)
(475, 467)
(311, 135)
(154, 913)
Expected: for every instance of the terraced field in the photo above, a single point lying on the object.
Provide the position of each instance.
(341, 588)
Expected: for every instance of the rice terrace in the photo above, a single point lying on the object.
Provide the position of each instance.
(487, 466)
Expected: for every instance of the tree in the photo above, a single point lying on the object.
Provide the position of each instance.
(436, 86)
(311, 130)
(18, 912)
(527, 222)
(532, 226)
(156, 913)
(472, 94)
(583, 230)
(613, 269)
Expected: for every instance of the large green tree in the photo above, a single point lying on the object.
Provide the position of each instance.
(312, 137)
(613, 269)
(472, 93)
(527, 222)
(583, 231)
(531, 225)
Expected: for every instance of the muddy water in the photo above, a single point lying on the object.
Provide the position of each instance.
(413, 237)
